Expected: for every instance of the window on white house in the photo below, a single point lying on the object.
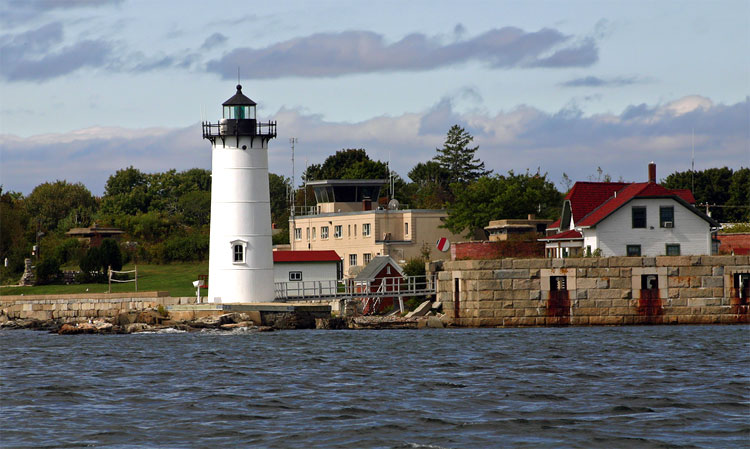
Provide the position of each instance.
(673, 249)
(352, 260)
(337, 231)
(366, 230)
(297, 233)
(313, 233)
(307, 233)
(639, 216)
(666, 216)
(366, 258)
(633, 250)
(295, 275)
(324, 232)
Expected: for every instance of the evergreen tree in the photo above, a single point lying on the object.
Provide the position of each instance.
(458, 159)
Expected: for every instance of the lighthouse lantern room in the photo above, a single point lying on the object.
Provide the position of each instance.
(240, 266)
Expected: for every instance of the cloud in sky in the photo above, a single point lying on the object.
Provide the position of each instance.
(595, 81)
(525, 137)
(13, 12)
(32, 55)
(213, 40)
(349, 52)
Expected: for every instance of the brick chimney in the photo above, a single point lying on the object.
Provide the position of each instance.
(652, 172)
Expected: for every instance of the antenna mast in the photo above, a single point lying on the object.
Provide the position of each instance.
(692, 165)
(292, 141)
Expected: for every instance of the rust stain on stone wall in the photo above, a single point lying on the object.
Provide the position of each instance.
(649, 306)
(558, 307)
(740, 305)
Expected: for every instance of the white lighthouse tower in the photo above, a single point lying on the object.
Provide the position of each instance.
(240, 265)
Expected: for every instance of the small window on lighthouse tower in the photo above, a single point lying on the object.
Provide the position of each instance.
(238, 251)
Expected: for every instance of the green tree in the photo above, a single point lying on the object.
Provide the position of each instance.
(15, 241)
(50, 203)
(278, 188)
(458, 159)
(347, 164)
(714, 186)
(195, 208)
(497, 197)
(430, 172)
(739, 197)
(124, 181)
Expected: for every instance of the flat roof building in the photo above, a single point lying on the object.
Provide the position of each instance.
(347, 219)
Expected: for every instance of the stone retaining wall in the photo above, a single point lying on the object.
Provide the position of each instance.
(84, 306)
(593, 291)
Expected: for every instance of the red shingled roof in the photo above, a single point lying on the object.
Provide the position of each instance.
(587, 196)
(306, 256)
(631, 191)
(571, 234)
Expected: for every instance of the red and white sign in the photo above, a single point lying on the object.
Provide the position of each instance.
(443, 244)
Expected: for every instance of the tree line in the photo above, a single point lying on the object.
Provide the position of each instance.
(165, 216)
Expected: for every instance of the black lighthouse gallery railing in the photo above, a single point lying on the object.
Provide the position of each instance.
(226, 128)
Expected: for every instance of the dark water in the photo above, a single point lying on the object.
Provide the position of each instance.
(659, 386)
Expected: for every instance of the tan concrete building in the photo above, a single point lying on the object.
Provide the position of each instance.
(500, 230)
(358, 231)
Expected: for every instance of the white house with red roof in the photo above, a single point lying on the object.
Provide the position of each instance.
(629, 219)
(303, 266)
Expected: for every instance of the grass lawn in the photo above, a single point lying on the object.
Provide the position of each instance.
(175, 278)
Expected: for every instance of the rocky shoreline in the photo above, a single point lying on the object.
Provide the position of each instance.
(153, 320)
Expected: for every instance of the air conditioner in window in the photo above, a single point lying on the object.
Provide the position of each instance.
(668, 224)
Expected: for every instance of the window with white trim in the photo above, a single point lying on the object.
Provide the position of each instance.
(295, 275)
(366, 258)
(238, 251)
(297, 233)
(313, 233)
(337, 231)
(352, 260)
(324, 232)
(366, 230)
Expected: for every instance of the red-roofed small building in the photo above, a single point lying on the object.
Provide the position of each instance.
(303, 266)
(629, 219)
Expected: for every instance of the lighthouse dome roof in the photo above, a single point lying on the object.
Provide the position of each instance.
(239, 99)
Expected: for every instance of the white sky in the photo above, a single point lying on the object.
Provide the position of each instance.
(70, 69)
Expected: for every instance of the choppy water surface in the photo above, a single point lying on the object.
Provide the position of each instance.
(657, 386)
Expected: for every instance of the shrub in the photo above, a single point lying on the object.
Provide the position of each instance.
(91, 264)
(69, 249)
(185, 248)
(111, 256)
(414, 267)
(48, 271)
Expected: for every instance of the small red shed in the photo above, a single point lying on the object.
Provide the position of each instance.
(382, 274)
